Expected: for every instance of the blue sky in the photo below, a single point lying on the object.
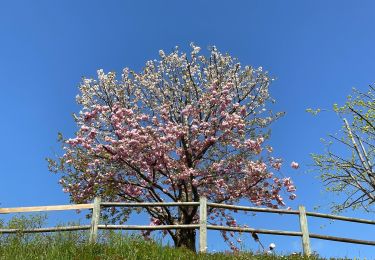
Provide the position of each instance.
(316, 50)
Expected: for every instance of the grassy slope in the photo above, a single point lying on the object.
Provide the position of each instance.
(67, 246)
(113, 245)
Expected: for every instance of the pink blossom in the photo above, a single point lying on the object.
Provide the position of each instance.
(176, 131)
(294, 165)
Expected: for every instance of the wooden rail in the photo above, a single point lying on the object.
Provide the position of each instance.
(161, 227)
(357, 220)
(254, 209)
(45, 208)
(42, 230)
(148, 204)
(253, 230)
(202, 226)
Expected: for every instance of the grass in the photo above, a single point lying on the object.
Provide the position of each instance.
(112, 245)
(66, 245)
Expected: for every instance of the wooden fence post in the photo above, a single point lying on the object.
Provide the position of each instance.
(203, 224)
(95, 220)
(304, 230)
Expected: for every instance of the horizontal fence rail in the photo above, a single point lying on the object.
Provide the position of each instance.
(253, 230)
(45, 208)
(254, 209)
(202, 226)
(42, 230)
(148, 204)
(357, 220)
(343, 239)
(161, 227)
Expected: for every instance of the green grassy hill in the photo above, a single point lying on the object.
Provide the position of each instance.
(112, 245)
(68, 246)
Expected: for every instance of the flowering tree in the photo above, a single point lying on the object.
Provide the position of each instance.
(186, 126)
(349, 171)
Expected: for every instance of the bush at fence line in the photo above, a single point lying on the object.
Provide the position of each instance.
(22, 222)
(35, 221)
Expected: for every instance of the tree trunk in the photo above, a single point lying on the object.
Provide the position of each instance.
(185, 238)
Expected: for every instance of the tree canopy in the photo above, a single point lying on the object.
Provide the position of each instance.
(349, 170)
(187, 126)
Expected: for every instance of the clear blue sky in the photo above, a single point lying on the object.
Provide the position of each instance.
(316, 50)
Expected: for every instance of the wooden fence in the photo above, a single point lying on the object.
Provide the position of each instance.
(202, 226)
